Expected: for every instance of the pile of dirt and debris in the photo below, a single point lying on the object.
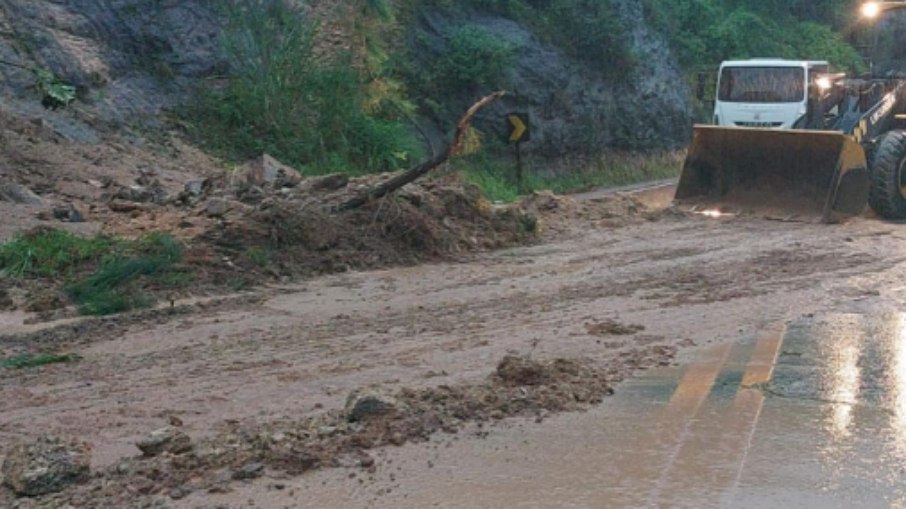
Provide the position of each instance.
(260, 222)
(172, 467)
(294, 219)
(257, 223)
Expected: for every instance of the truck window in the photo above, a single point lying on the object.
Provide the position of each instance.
(762, 84)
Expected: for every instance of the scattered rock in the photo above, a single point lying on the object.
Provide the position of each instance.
(118, 205)
(43, 301)
(612, 328)
(545, 200)
(250, 470)
(46, 466)
(6, 302)
(166, 439)
(328, 431)
(16, 193)
(217, 207)
(196, 187)
(251, 195)
(193, 192)
(268, 171)
(68, 214)
(365, 404)
(153, 193)
(180, 492)
(366, 461)
(330, 182)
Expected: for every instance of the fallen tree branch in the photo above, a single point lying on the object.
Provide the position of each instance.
(413, 174)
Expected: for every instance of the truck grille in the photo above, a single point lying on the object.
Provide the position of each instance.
(759, 124)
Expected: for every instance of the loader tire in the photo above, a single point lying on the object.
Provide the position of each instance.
(888, 176)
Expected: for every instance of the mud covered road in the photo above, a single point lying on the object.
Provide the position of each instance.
(646, 294)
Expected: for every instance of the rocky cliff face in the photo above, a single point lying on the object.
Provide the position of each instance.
(134, 59)
(573, 108)
(130, 59)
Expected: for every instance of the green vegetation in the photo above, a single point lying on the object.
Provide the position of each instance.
(586, 29)
(51, 253)
(112, 287)
(318, 115)
(497, 178)
(36, 360)
(475, 58)
(324, 108)
(55, 92)
(259, 256)
(704, 32)
(104, 274)
(238, 283)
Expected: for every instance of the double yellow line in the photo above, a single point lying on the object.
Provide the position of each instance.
(711, 450)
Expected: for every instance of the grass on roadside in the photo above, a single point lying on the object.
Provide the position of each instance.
(103, 275)
(497, 177)
(113, 288)
(34, 360)
(51, 253)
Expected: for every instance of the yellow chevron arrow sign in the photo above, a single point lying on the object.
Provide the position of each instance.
(518, 127)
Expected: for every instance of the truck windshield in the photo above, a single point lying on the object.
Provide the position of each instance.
(762, 84)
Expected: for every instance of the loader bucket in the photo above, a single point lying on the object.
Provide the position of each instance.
(794, 174)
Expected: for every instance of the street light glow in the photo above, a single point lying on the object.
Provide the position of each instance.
(871, 9)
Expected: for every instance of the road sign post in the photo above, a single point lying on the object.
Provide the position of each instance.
(518, 129)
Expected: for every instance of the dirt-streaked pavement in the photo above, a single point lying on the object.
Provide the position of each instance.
(299, 350)
(805, 414)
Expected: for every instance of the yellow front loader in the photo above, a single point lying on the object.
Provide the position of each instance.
(845, 150)
(797, 174)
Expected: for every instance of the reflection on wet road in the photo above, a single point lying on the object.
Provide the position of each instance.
(817, 419)
(811, 414)
(834, 420)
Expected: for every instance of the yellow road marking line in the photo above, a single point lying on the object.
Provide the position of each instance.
(761, 366)
(699, 467)
(687, 399)
(759, 371)
(696, 383)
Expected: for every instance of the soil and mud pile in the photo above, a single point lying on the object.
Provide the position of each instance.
(520, 386)
(430, 219)
(261, 222)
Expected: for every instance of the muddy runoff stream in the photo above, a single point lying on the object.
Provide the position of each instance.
(503, 340)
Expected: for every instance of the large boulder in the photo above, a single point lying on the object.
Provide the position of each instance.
(15, 193)
(167, 439)
(362, 405)
(46, 465)
(268, 171)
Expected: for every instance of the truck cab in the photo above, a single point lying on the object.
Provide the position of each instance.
(764, 93)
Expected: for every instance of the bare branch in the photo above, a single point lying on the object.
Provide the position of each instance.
(413, 174)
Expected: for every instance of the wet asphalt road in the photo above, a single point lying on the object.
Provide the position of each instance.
(810, 413)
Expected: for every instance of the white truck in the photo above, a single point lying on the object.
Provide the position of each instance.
(766, 93)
